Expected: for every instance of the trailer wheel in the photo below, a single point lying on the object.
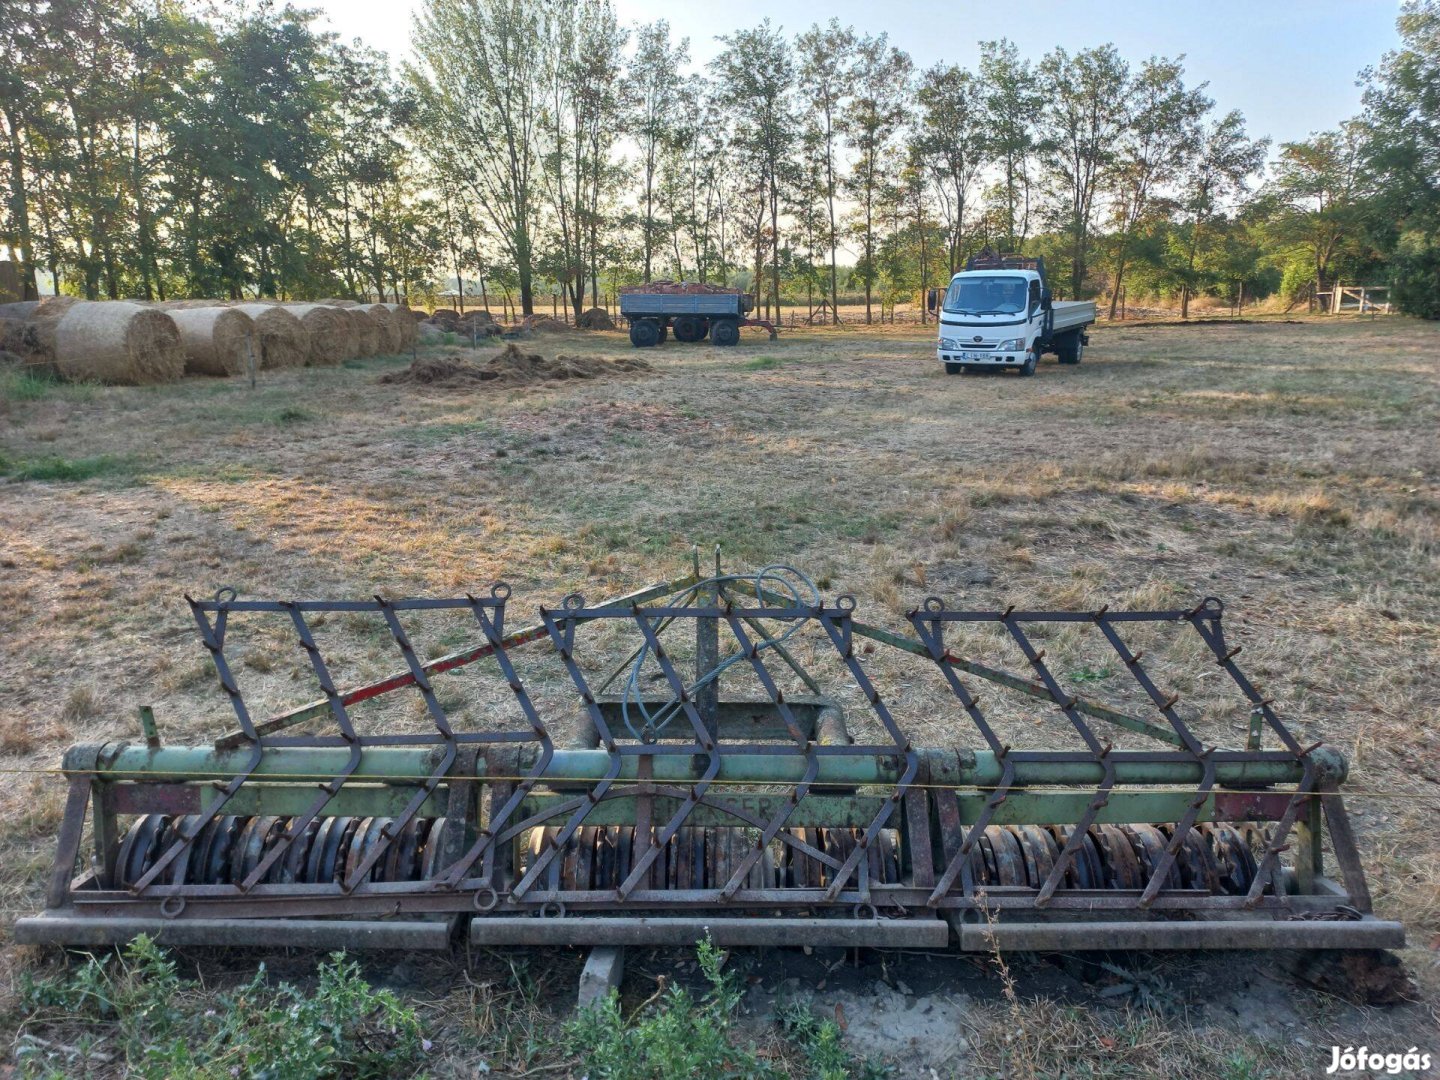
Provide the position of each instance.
(644, 333)
(1072, 348)
(688, 328)
(725, 332)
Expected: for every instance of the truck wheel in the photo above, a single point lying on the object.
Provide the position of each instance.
(954, 369)
(1028, 368)
(724, 332)
(644, 333)
(1071, 348)
(688, 328)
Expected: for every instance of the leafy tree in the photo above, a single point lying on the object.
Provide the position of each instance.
(756, 78)
(1012, 103)
(479, 73)
(1402, 153)
(653, 84)
(871, 125)
(826, 56)
(1161, 136)
(952, 143)
(1083, 116)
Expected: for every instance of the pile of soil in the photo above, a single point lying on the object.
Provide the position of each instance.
(595, 319)
(445, 319)
(510, 367)
(544, 324)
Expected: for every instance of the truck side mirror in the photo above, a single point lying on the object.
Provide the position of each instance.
(932, 300)
(1045, 299)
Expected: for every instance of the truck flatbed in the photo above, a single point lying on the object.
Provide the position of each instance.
(691, 312)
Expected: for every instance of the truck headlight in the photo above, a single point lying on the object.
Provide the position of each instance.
(949, 343)
(1013, 345)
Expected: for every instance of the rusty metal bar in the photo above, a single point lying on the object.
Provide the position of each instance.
(1181, 934)
(917, 933)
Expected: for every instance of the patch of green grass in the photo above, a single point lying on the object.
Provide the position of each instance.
(677, 1038)
(762, 363)
(431, 434)
(293, 414)
(69, 470)
(159, 1025)
(1090, 675)
(23, 386)
(819, 1044)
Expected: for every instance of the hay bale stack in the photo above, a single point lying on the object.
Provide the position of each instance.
(109, 341)
(327, 331)
(217, 340)
(21, 309)
(595, 318)
(391, 335)
(365, 330)
(408, 323)
(339, 303)
(279, 337)
(184, 305)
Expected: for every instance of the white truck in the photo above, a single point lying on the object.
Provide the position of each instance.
(997, 314)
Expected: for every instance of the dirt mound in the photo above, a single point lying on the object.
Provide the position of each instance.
(544, 324)
(595, 319)
(445, 318)
(510, 367)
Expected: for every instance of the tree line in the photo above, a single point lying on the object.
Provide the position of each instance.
(155, 148)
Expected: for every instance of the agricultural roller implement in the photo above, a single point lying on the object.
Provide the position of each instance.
(725, 755)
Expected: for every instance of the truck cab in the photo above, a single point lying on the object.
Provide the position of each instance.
(998, 314)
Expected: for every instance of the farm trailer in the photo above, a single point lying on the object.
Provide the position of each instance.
(690, 314)
(997, 314)
(732, 770)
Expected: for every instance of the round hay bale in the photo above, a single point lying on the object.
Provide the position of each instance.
(365, 329)
(21, 309)
(327, 331)
(185, 305)
(391, 339)
(217, 340)
(407, 321)
(280, 337)
(109, 341)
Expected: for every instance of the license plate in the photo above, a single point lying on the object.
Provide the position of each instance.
(974, 356)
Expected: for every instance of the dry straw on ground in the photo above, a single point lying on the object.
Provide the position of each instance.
(279, 334)
(512, 366)
(217, 340)
(110, 342)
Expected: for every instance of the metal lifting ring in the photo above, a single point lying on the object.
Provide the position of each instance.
(552, 909)
(500, 591)
(860, 909)
(172, 906)
(486, 899)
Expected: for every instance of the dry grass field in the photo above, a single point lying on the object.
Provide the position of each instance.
(1290, 468)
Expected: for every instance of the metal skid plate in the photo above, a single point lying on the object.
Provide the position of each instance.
(675, 813)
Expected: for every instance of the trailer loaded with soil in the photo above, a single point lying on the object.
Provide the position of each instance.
(691, 311)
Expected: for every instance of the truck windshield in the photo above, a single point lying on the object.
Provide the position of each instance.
(976, 295)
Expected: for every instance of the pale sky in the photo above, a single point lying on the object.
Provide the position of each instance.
(1289, 66)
